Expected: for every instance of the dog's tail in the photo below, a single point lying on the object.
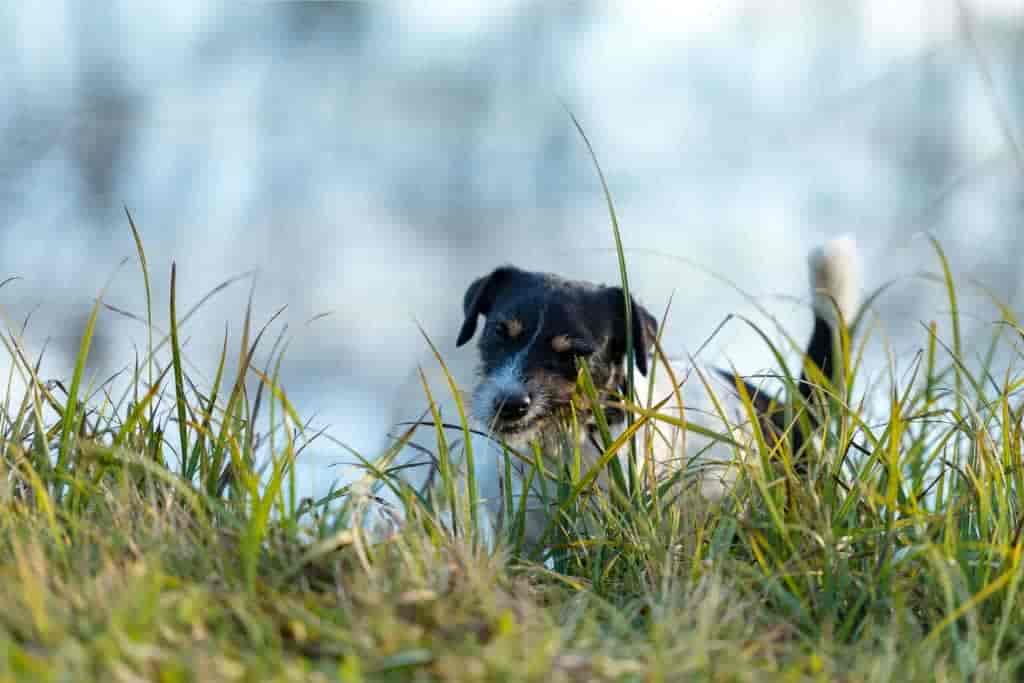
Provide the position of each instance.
(835, 296)
(835, 300)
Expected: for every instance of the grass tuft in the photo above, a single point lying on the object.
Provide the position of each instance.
(133, 548)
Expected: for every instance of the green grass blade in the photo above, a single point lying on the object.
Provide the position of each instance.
(180, 399)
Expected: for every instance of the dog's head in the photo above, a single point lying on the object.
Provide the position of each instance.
(537, 329)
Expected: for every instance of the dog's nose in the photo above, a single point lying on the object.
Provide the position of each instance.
(513, 406)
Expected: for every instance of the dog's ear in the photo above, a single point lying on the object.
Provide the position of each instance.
(479, 299)
(645, 327)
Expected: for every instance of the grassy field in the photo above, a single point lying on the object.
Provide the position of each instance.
(155, 534)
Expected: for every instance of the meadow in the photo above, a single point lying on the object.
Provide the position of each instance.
(155, 532)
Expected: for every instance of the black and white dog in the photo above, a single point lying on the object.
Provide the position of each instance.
(538, 327)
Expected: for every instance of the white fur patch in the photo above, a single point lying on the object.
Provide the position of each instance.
(715, 464)
(706, 399)
(507, 379)
(835, 278)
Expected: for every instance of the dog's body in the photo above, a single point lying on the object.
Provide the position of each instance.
(703, 397)
(539, 328)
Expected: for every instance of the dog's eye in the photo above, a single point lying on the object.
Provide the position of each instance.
(564, 344)
(508, 329)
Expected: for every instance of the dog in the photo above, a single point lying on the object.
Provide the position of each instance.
(538, 328)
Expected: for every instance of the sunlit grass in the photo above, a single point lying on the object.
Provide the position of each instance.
(157, 534)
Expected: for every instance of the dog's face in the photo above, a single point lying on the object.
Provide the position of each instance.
(537, 328)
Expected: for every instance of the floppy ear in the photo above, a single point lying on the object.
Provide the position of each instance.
(645, 327)
(479, 298)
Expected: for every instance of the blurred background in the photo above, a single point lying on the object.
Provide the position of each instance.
(368, 160)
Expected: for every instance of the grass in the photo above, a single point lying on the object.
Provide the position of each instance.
(155, 533)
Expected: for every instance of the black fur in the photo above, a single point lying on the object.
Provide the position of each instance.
(481, 295)
(644, 327)
(590, 313)
(820, 353)
(592, 318)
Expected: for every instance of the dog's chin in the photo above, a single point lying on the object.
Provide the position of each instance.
(517, 433)
(520, 433)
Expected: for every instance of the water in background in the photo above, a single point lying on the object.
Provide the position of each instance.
(369, 160)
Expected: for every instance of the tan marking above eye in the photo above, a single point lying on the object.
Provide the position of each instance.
(513, 327)
(561, 343)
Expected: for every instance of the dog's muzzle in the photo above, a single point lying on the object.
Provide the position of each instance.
(512, 406)
(506, 406)
(511, 413)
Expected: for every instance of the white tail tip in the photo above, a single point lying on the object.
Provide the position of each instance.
(835, 278)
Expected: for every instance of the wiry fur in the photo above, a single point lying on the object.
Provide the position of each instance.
(539, 308)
